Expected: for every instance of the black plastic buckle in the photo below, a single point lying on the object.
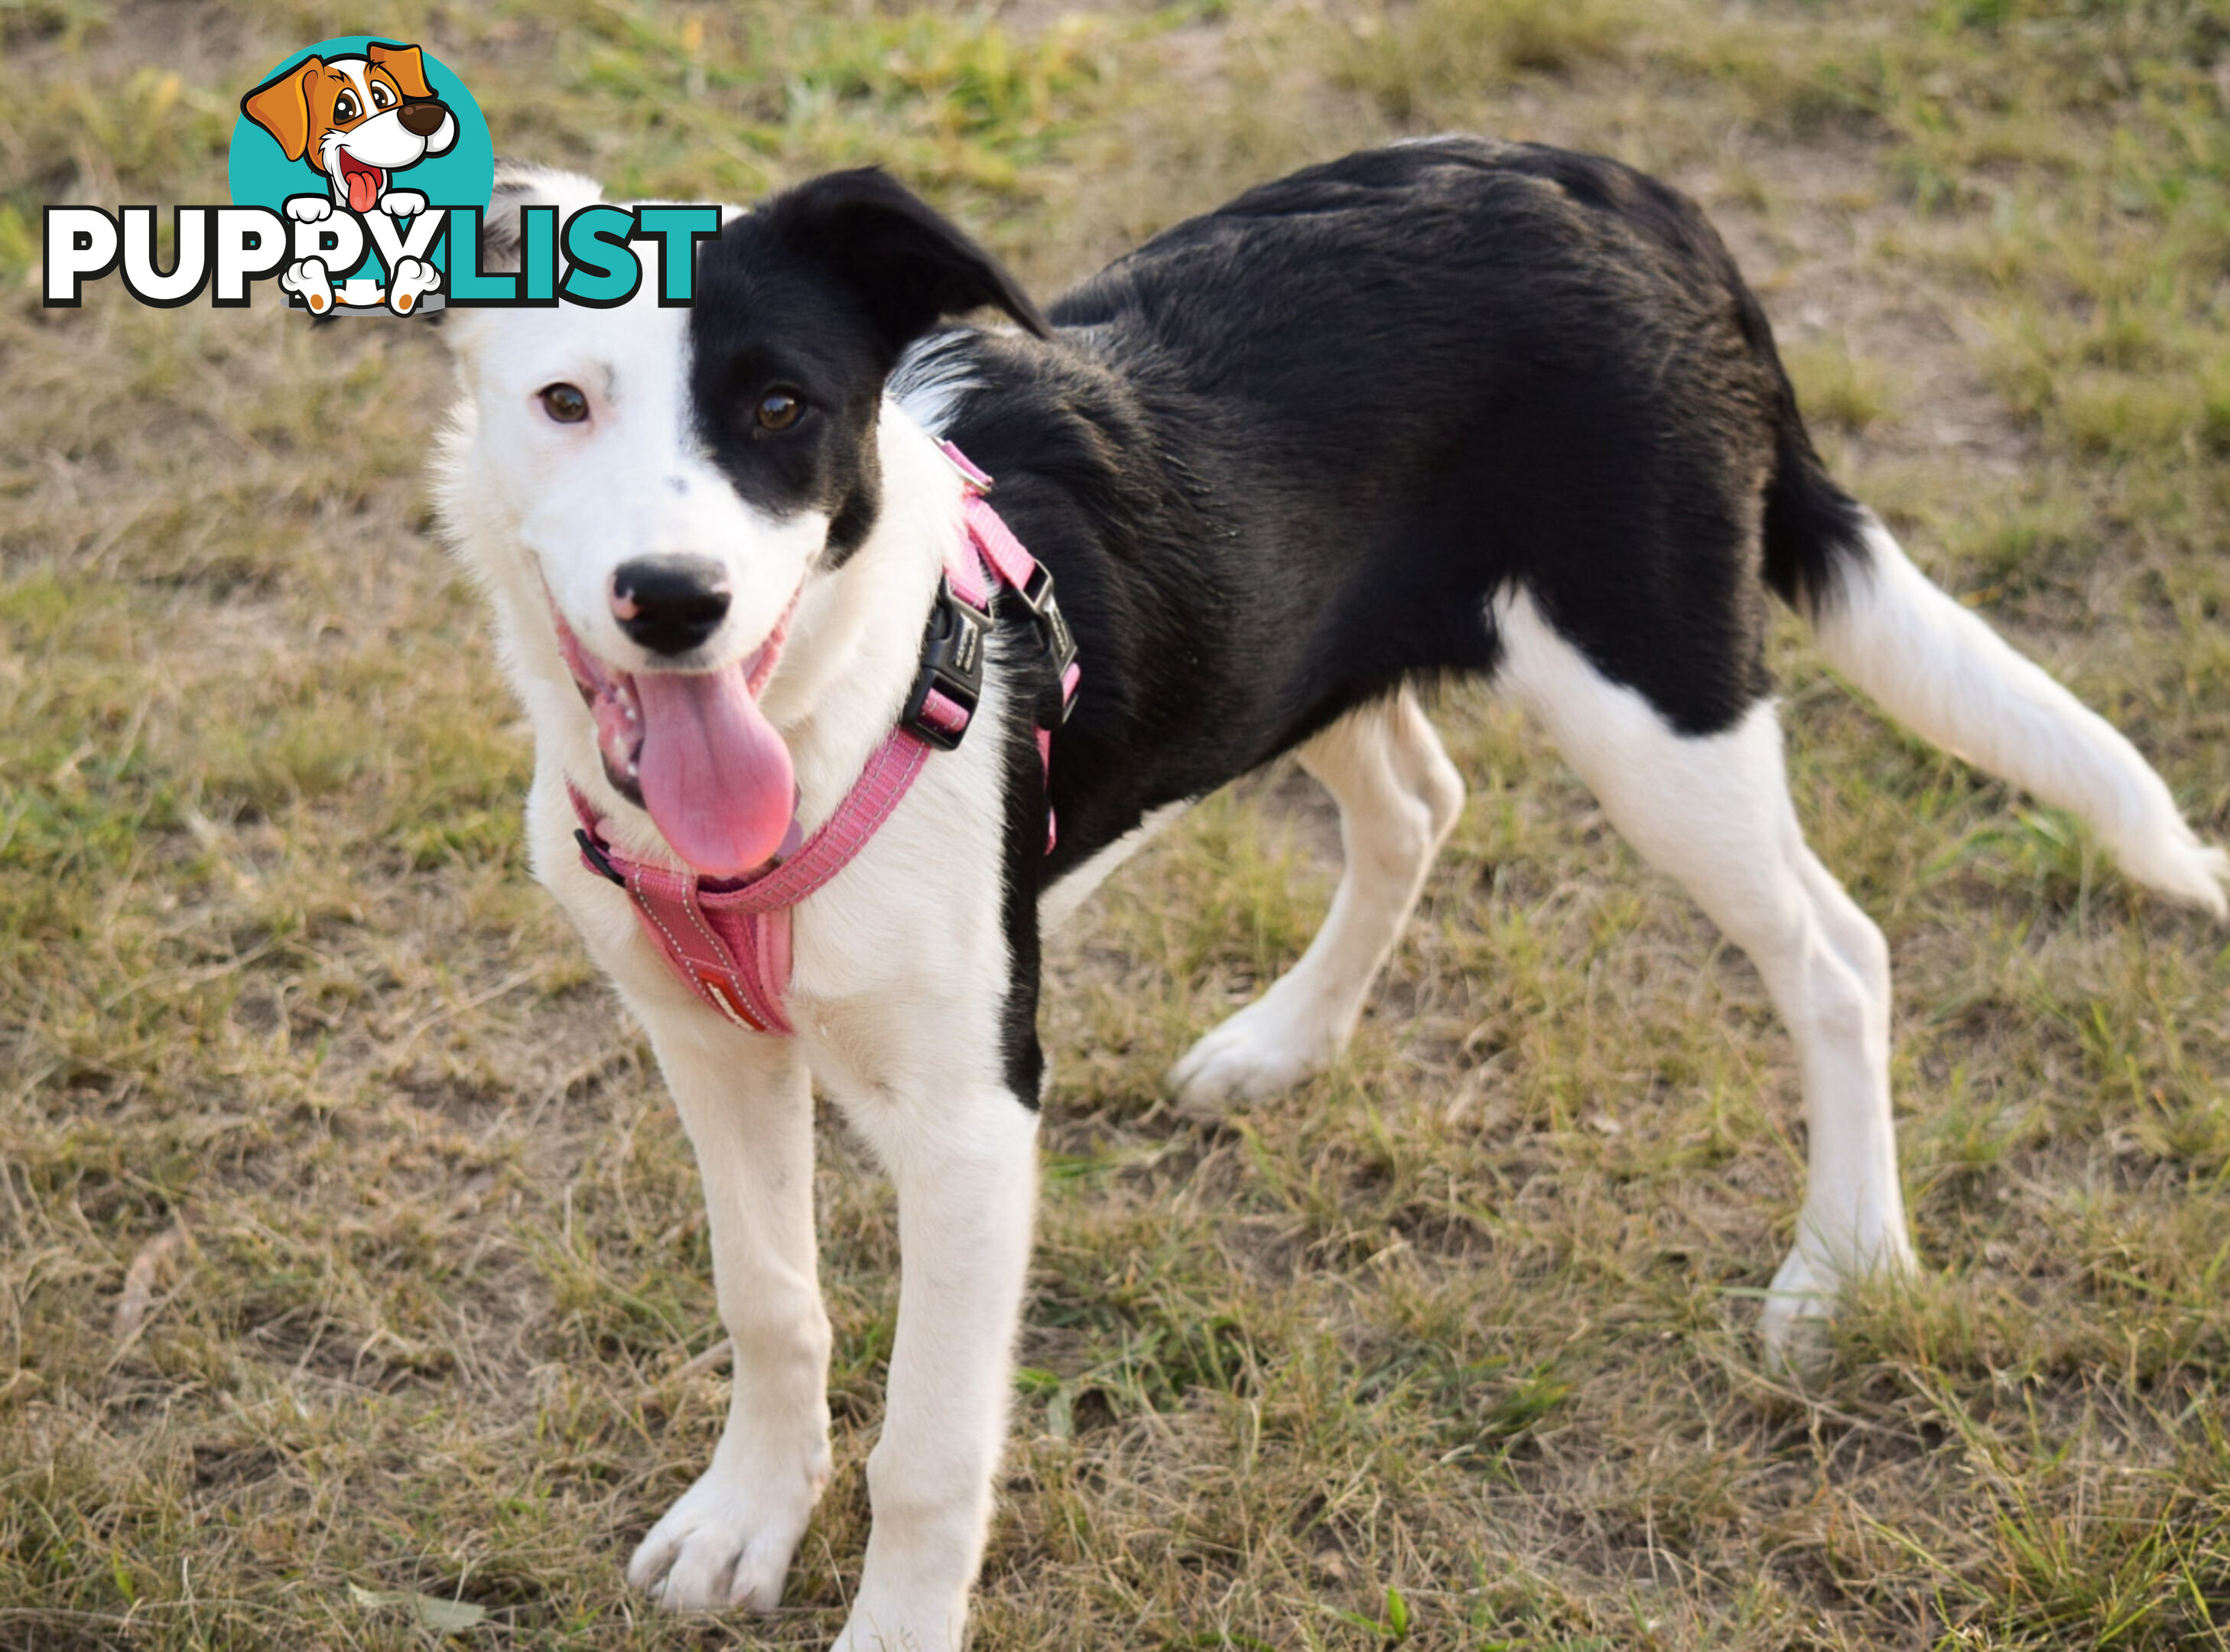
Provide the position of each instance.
(952, 663)
(593, 853)
(1053, 637)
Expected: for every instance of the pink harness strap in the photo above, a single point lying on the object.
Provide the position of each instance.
(728, 938)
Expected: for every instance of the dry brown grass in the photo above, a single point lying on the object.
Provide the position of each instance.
(348, 1248)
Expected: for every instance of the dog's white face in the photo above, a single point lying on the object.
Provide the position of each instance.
(653, 491)
(584, 415)
(584, 423)
(585, 447)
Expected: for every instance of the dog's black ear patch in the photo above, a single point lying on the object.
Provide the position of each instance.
(910, 265)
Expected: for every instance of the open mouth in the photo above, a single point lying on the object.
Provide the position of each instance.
(362, 183)
(693, 750)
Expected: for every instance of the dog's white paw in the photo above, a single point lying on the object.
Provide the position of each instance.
(412, 280)
(1262, 1051)
(1793, 1328)
(1802, 1301)
(309, 209)
(307, 277)
(402, 203)
(721, 1545)
(881, 1624)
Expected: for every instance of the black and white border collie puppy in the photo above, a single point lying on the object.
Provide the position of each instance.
(1453, 407)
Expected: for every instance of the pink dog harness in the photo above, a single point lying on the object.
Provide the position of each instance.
(728, 938)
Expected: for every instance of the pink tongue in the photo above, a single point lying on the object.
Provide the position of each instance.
(714, 774)
(364, 190)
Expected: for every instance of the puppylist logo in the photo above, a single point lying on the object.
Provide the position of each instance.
(360, 170)
(355, 117)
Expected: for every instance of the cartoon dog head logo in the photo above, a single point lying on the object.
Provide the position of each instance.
(359, 120)
(351, 119)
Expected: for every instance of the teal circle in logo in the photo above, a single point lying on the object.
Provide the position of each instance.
(263, 173)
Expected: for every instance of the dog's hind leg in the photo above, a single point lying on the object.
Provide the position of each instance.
(1714, 811)
(749, 1112)
(1398, 795)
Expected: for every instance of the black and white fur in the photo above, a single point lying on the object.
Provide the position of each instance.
(1453, 408)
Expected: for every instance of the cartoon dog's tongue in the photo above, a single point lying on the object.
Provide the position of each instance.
(715, 776)
(362, 182)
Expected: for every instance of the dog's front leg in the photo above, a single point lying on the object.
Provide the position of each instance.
(965, 1164)
(748, 1108)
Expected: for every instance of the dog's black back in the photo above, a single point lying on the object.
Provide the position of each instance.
(1282, 456)
(1285, 457)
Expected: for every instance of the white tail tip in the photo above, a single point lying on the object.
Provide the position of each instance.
(2179, 865)
(1938, 669)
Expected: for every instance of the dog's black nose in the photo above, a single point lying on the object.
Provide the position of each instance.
(423, 116)
(670, 604)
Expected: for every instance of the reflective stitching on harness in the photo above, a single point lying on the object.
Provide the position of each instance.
(745, 1010)
(689, 969)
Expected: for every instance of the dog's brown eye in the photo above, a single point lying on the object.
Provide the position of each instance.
(344, 106)
(778, 410)
(381, 97)
(565, 404)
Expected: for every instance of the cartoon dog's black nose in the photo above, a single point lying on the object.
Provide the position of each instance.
(423, 116)
(670, 604)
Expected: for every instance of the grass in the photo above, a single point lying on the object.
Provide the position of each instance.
(353, 1281)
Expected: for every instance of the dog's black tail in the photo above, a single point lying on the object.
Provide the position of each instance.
(1814, 530)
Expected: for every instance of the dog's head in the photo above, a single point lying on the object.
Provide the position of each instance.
(654, 493)
(357, 120)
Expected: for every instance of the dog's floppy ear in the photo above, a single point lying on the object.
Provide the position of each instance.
(521, 184)
(912, 266)
(282, 106)
(406, 63)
